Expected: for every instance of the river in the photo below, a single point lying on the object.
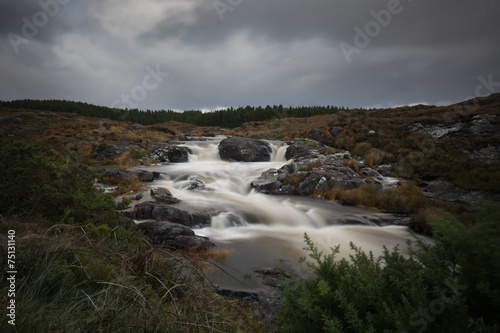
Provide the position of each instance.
(259, 230)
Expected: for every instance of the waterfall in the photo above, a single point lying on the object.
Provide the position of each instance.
(270, 227)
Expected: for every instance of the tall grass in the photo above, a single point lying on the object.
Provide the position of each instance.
(72, 279)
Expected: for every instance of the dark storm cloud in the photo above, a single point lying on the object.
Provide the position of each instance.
(258, 52)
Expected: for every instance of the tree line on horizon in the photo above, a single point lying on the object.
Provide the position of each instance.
(229, 117)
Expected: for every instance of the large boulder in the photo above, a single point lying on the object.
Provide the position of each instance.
(244, 150)
(308, 175)
(170, 154)
(174, 236)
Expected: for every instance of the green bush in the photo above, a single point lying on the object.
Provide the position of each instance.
(449, 286)
(39, 182)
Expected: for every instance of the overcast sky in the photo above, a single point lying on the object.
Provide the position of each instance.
(205, 54)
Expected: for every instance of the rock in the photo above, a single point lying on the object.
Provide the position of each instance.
(315, 134)
(137, 196)
(47, 115)
(267, 182)
(438, 132)
(487, 155)
(163, 212)
(297, 149)
(244, 150)
(483, 123)
(15, 120)
(384, 169)
(107, 152)
(195, 183)
(146, 176)
(310, 184)
(115, 175)
(307, 175)
(162, 195)
(446, 191)
(174, 236)
(126, 222)
(170, 154)
(335, 130)
(344, 178)
(372, 132)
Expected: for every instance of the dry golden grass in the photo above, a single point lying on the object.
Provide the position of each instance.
(375, 156)
(404, 199)
(132, 137)
(365, 195)
(126, 160)
(129, 185)
(353, 165)
(218, 255)
(361, 148)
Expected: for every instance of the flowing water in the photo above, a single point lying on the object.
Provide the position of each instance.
(266, 231)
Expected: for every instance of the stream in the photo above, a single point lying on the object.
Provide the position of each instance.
(259, 230)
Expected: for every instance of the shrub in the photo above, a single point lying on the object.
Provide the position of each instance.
(38, 182)
(449, 286)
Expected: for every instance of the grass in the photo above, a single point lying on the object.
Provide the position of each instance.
(93, 279)
(404, 199)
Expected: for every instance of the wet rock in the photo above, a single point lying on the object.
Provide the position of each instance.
(244, 150)
(268, 181)
(170, 154)
(174, 236)
(162, 195)
(126, 222)
(137, 196)
(267, 301)
(164, 212)
(195, 183)
(146, 176)
(274, 277)
(297, 149)
(310, 184)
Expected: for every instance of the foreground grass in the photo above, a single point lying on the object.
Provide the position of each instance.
(98, 279)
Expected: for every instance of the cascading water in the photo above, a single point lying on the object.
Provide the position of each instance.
(262, 230)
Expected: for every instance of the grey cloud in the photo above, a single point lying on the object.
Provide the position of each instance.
(263, 52)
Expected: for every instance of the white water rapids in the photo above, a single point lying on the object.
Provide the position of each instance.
(262, 230)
